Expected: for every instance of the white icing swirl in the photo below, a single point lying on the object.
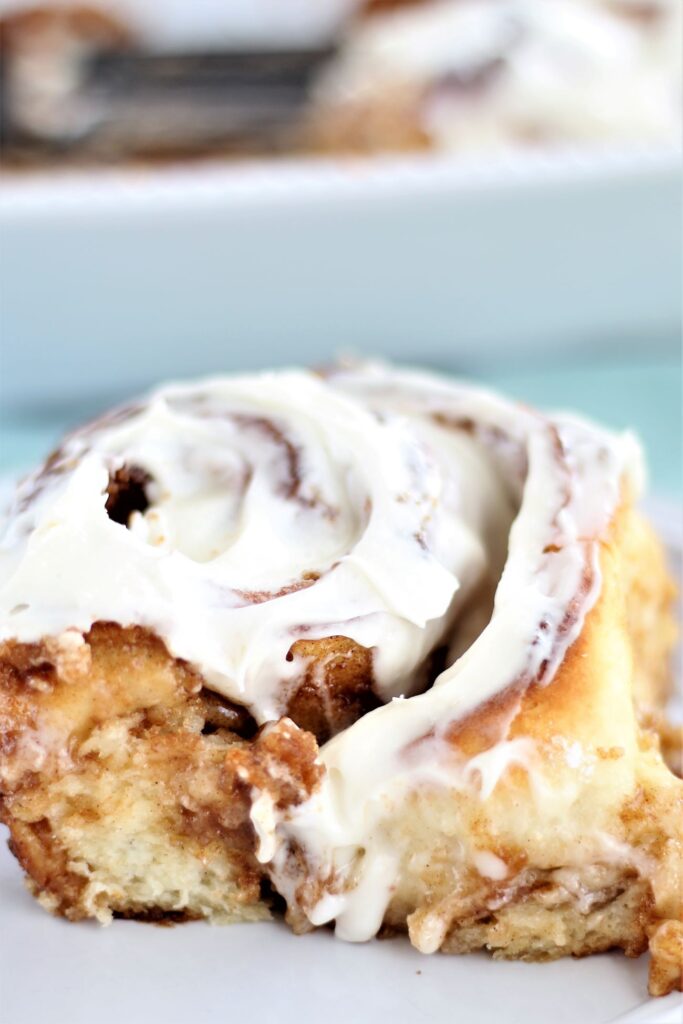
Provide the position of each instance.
(280, 508)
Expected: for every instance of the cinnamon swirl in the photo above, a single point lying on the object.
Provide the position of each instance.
(382, 643)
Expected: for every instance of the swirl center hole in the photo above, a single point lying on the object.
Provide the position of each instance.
(127, 493)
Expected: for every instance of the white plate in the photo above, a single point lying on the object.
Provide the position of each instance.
(51, 970)
(195, 974)
(54, 971)
(125, 276)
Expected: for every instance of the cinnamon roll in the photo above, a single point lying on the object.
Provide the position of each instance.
(380, 645)
(487, 76)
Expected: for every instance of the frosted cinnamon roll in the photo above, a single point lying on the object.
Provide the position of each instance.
(490, 75)
(370, 640)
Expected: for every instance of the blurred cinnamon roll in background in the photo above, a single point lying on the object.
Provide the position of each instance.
(481, 76)
(122, 79)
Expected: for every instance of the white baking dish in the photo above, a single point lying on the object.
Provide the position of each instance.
(113, 278)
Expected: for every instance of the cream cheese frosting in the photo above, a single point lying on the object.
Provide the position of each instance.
(280, 507)
(371, 503)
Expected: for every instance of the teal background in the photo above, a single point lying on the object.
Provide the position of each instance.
(643, 394)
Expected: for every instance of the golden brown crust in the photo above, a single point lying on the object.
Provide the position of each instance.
(649, 592)
(46, 865)
(666, 966)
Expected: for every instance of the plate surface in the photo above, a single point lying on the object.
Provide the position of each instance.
(54, 971)
(51, 970)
